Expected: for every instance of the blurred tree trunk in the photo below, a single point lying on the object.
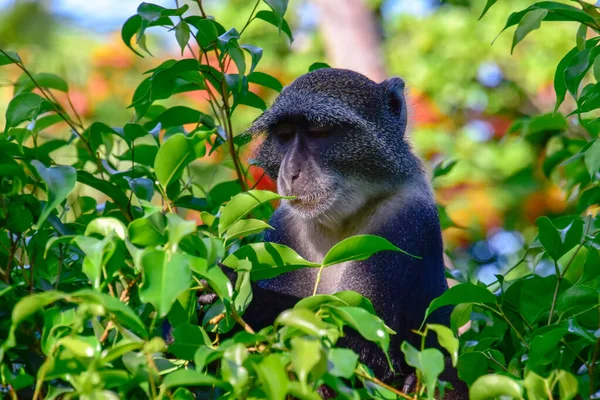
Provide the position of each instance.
(351, 36)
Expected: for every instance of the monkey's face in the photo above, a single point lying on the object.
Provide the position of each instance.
(302, 170)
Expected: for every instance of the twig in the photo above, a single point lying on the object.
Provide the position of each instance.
(593, 364)
(57, 109)
(201, 8)
(382, 384)
(60, 263)
(240, 321)
(560, 276)
(217, 319)
(318, 280)
(251, 18)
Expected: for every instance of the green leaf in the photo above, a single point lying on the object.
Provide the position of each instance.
(119, 349)
(532, 296)
(560, 80)
(303, 320)
(531, 21)
(178, 228)
(97, 254)
(494, 386)
(26, 307)
(370, 326)
(237, 55)
(173, 79)
(592, 158)
(318, 65)
(106, 227)
(147, 231)
(461, 314)
(45, 80)
(279, 7)
(591, 269)
(273, 19)
(576, 299)
(79, 347)
(346, 298)
(459, 294)
(305, 354)
(447, 340)
(207, 30)
(266, 80)
(469, 366)
(241, 205)
(271, 372)
(175, 154)
(182, 34)
(255, 53)
(341, 362)
(557, 242)
(567, 385)
(429, 364)
(143, 188)
(444, 168)
(268, 260)
(251, 99)
(25, 107)
(130, 28)
(556, 12)
(187, 339)
(358, 248)
(488, 4)
(581, 36)
(536, 386)
(233, 370)
(158, 287)
(246, 227)
(123, 313)
(189, 377)
(60, 182)
(180, 115)
(9, 58)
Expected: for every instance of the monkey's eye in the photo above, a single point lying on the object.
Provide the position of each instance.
(319, 132)
(284, 133)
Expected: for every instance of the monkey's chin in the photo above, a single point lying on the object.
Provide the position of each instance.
(311, 206)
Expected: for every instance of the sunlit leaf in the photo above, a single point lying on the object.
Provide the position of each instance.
(60, 182)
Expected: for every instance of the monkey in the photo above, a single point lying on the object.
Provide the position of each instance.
(336, 141)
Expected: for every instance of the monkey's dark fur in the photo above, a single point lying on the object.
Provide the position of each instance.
(335, 139)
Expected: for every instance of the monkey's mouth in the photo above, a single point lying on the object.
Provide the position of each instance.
(311, 200)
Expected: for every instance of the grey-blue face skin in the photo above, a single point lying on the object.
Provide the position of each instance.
(335, 140)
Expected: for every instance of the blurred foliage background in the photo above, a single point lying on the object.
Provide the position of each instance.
(465, 93)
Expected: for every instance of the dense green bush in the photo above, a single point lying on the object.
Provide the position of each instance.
(89, 281)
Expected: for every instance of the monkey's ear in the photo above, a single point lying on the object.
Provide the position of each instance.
(395, 94)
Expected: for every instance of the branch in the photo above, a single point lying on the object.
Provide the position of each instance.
(382, 384)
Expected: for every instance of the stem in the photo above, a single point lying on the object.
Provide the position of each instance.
(505, 318)
(382, 384)
(318, 280)
(201, 9)
(151, 376)
(560, 276)
(230, 144)
(511, 268)
(56, 108)
(240, 321)
(251, 18)
(558, 279)
(60, 263)
(593, 364)
(11, 256)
